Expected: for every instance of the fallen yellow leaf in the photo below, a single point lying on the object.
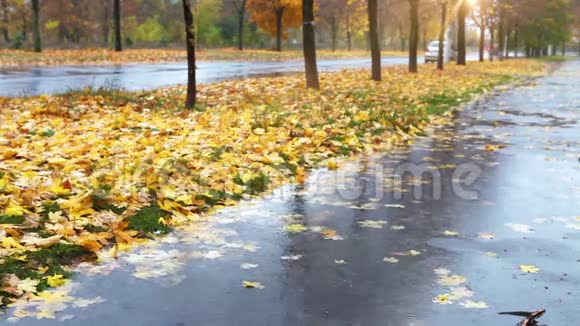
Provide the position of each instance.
(529, 269)
(55, 281)
(252, 285)
(450, 233)
(443, 299)
(296, 228)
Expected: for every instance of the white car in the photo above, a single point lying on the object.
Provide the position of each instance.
(432, 52)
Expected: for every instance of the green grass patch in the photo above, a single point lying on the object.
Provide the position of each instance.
(47, 133)
(10, 219)
(49, 207)
(256, 184)
(147, 220)
(212, 198)
(57, 256)
(41, 232)
(100, 203)
(95, 229)
(362, 93)
(442, 102)
(553, 58)
(108, 91)
(54, 259)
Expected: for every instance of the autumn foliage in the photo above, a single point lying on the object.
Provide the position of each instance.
(276, 16)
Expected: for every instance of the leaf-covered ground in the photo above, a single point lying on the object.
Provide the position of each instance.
(16, 58)
(97, 170)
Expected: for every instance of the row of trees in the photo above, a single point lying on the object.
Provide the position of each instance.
(272, 15)
(77, 23)
(340, 23)
(151, 22)
(537, 25)
(158, 22)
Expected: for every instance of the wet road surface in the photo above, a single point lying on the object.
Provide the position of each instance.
(50, 80)
(522, 209)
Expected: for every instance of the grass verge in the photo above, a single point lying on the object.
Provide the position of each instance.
(19, 58)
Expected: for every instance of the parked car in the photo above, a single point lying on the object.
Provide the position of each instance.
(432, 52)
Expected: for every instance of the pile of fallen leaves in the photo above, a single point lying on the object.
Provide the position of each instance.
(16, 58)
(94, 169)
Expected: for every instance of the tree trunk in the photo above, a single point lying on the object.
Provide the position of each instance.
(442, 30)
(333, 32)
(4, 30)
(516, 42)
(348, 33)
(241, 31)
(563, 49)
(117, 14)
(462, 51)
(36, 28)
(279, 15)
(241, 15)
(190, 37)
(507, 44)
(482, 44)
(379, 25)
(425, 42)
(5, 35)
(24, 27)
(492, 42)
(482, 41)
(414, 35)
(482, 15)
(501, 31)
(309, 46)
(106, 22)
(374, 39)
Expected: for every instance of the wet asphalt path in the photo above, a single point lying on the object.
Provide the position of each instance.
(526, 212)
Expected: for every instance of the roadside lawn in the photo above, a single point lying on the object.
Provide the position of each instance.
(20, 58)
(99, 169)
